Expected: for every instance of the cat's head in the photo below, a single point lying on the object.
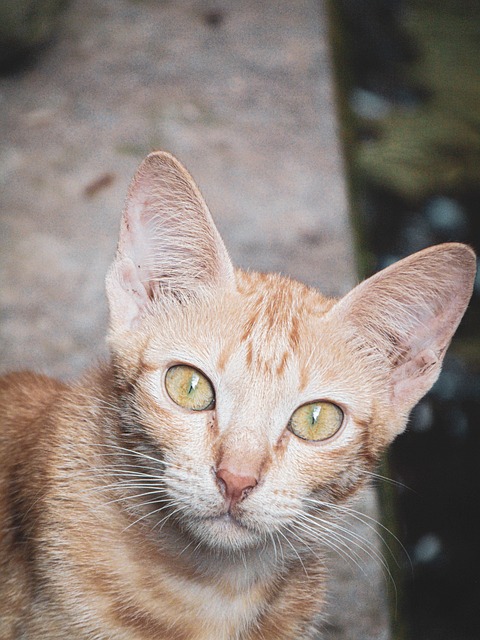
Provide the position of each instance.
(264, 399)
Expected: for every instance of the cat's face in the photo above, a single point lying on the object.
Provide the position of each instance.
(265, 401)
(263, 354)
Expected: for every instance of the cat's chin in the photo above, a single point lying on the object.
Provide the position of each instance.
(225, 532)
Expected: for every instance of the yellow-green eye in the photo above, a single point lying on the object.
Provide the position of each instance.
(316, 421)
(189, 388)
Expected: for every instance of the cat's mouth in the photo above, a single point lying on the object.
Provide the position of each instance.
(226, 530)
(229, 520)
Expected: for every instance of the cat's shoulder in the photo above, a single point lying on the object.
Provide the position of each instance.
(24, 396)
(32, 388)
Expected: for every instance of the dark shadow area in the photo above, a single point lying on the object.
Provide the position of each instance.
(409, 76)
(27, 28)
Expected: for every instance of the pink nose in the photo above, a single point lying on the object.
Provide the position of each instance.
(235, 486)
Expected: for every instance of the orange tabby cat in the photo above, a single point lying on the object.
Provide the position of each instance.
(185, 489)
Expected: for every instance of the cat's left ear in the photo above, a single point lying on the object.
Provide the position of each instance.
(404, 317)
(168, 245)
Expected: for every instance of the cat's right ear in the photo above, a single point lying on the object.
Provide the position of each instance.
(405, 316)
(168, 245)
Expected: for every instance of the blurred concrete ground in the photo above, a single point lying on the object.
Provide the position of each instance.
(242, 93)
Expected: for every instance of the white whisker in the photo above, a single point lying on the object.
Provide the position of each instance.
(336, 543)
(294, 550)
(139, 495)
(146, 515)
(367, 521)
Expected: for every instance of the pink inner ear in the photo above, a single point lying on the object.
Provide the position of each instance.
(136, 239)
(422, 364)
(127, 296)
(129, 273)
(415, 377)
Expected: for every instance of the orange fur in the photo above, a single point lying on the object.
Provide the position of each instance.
(114, 520)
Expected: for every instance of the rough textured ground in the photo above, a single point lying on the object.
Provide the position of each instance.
(241, 93)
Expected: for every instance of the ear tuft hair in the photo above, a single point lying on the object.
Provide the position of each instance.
(168, 245)
(408, 313)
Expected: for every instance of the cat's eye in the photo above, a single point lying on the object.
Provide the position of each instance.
(316, 421)
(189, 388)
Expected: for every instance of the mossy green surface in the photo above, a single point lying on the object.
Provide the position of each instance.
(434, 147)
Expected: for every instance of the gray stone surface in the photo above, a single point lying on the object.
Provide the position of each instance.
(241, 93)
